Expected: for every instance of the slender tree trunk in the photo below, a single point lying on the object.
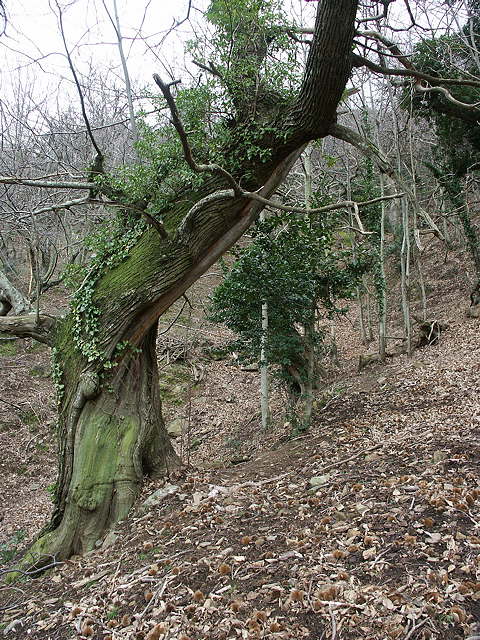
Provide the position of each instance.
(358, 290)
(416, 250)
(334, 359)
(405, 252)
(368, 309)
(361, 316)
(264, 381)
(445, 231)
(471, 233)
(307, 391)
(310, 326)
(405, 276)
(126, 75)
(382, 294)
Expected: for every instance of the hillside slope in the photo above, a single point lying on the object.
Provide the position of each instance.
(366, 527)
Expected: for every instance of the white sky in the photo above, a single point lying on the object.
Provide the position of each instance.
(32, 49)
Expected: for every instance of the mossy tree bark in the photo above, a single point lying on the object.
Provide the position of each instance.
(110, 428)
(110, 436)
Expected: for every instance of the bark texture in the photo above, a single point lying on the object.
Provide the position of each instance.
(109, 439)
(11, 299)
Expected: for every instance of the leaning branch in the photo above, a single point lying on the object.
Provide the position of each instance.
(390, 45)
(187, 150)
(33, 182)
(40, 328)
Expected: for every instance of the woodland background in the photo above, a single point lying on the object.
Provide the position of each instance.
(319, 382)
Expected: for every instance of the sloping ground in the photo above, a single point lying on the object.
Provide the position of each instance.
(366, 527)
(27, 442)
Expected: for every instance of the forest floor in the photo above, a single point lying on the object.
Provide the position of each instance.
(366, 527)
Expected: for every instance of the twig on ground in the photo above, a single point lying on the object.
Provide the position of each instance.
(334, 622)
(356, 455)
(158, 594)
(16, 406)
(32, 572)
(415, 628)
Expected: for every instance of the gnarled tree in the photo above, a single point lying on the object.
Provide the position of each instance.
(110, 427)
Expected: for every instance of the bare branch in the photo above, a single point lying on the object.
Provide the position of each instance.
(383, 14)
(11, 404)
(360, 231)
(34, 182)
(359, 61)
(343, 204)
(391, 46)
(61, 205)
(33, 571)
(99, 158)
(126, 75)
(187, 151)
(370, 150)
(446, 93)
(156, 224)
(225, 194)
(229, 193)
(27, 326)
(211, 68)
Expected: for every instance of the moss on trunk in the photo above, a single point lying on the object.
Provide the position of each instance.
(111, 434)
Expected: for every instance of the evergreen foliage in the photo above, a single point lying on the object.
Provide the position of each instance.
(294, 266)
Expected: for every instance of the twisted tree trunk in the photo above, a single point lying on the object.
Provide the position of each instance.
(111, 431)
(110, 427)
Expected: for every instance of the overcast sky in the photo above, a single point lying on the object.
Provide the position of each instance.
(32, 48)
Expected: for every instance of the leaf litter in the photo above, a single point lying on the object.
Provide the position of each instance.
(366, 527)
